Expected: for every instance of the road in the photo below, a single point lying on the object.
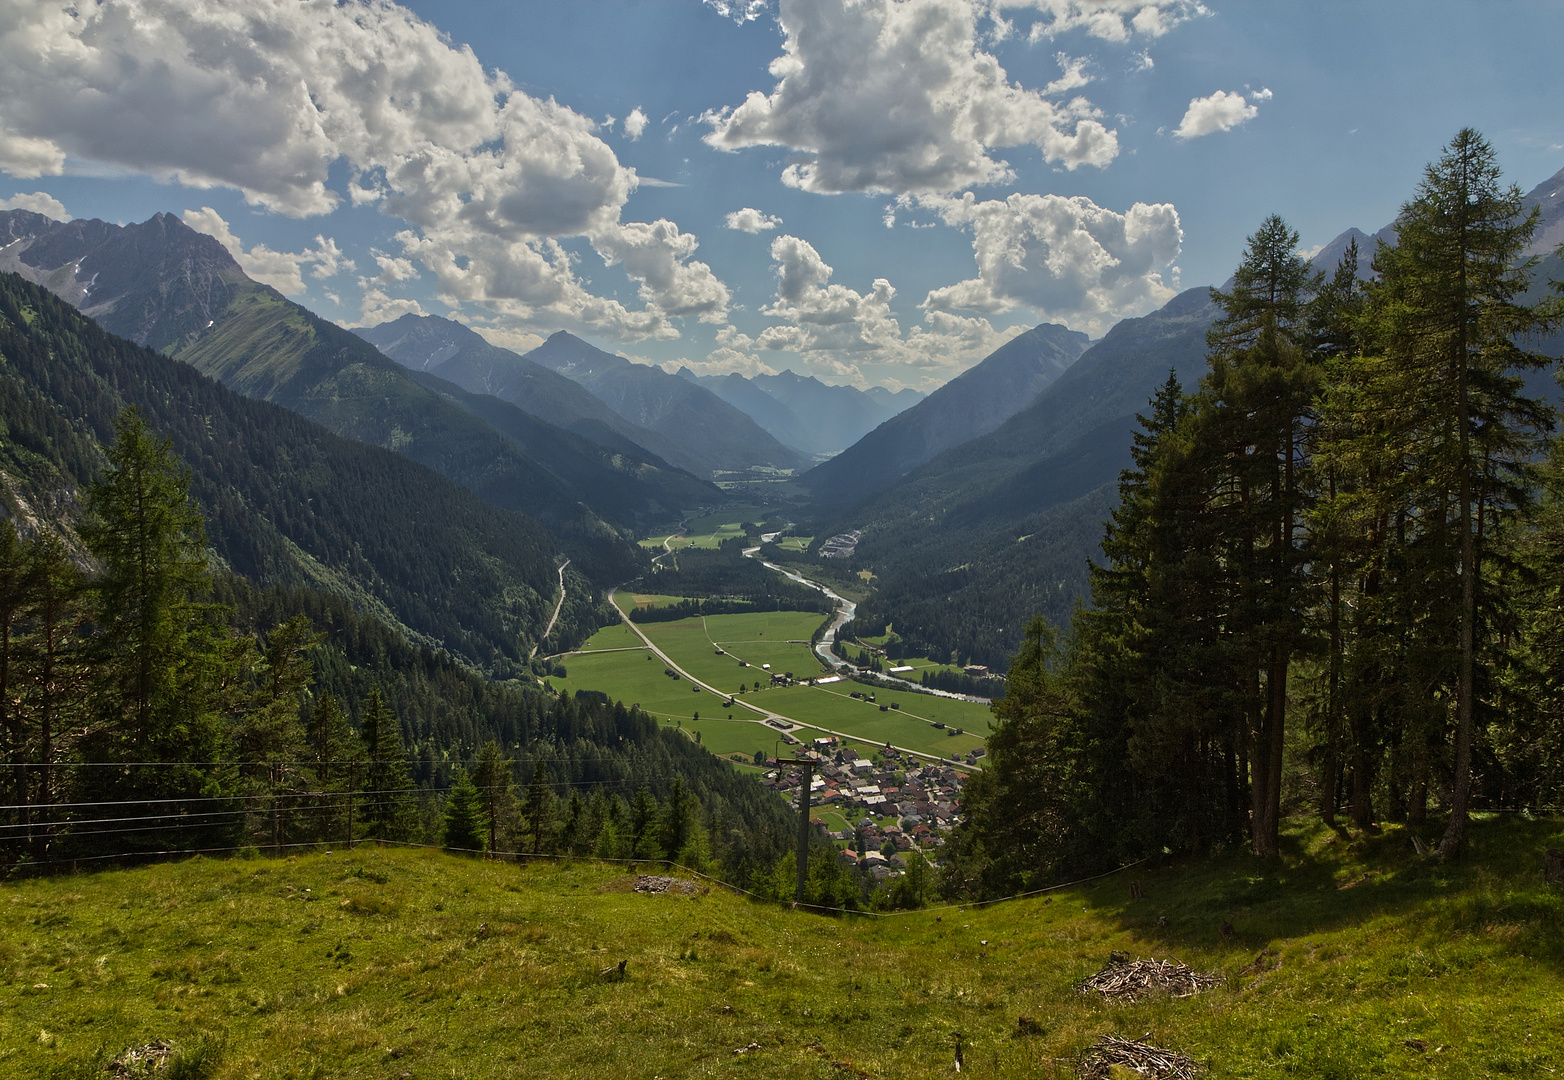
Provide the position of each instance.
(766, 715)
(549, 629)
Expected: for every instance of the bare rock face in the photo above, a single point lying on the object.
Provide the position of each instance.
(159, 283)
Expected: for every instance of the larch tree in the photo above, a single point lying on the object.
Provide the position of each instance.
(1448, 313)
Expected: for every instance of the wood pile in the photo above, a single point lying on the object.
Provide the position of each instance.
(139, 1061)
(1131, 980)
(1110, 1056)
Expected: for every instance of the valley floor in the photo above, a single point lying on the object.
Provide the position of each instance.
(1348, 957)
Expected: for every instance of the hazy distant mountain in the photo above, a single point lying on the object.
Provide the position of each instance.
(805, 413)
(712, 436)
(974, 403)
(1548, 197)
(462, 356)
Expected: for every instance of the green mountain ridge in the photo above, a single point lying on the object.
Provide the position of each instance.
(287, 502)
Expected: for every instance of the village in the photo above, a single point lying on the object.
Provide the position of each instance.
(892, 805)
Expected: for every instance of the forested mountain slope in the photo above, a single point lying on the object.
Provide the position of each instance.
(990, 532)
(287, 502)
(180, 291)
(974, 403)
(460, 355)
(712, 436)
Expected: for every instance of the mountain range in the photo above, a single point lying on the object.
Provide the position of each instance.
(287, 503)
(166, 286)
(805, 413)
(972, 404)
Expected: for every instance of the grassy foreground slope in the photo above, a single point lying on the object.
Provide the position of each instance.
(1350, 957)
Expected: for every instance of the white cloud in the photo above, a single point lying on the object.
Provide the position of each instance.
(751, 220)
(1263, 94)
(282, 270)
(895, 96)
(852, 337)
(740, 11)
(1221, 111)
(635, 123)
(509, 337)
(395, 269)
(1066, 259)
(39, 202)
(378, 308)
(268, 98)
(1110, 20)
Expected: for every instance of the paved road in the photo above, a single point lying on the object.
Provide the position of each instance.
(766, 715)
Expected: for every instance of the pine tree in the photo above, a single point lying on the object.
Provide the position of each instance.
(269, 739)
(538, 809)
(52, 675)
(1448, 315)
(466, 825)
(169, 670)
(388, 801)
(335, 756)
(496, 786)
(1256, 405)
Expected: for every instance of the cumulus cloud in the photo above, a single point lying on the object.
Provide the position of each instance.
(377, 307)
(1066, 259)
(39, 202)
(268, 98)
(282, 270)
(740, 11)
(896, 96)
(395, 269)
(636, 123)
(1221, 111)
(509, 337)
(751, 220)
(1110, 20)
(850, 336)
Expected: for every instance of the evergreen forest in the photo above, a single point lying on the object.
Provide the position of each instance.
(1332, 583)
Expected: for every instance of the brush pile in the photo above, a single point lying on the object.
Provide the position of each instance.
(1130, 980)
(1136, 1055)
(657, 883)
(139, 1061)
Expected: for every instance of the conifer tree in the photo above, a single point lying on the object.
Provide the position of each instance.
(336, 758)
(52, 673)
(269, 739)
(538, 809)
(168, 668)
(492, 774)
(466, 825)
(1448, 314)
(388, 805)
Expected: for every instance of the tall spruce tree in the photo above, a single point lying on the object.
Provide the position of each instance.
(1448, 315)
(1256, 401)
(493, 773)
(388, 795)
(169, 670)
(466, 826)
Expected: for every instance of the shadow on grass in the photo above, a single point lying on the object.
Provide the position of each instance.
(1327, 880)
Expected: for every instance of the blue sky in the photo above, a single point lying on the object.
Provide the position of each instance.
(869, 190)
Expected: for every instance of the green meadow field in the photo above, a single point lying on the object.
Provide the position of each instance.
(1348, 958)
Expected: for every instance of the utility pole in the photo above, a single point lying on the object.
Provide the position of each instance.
(807, 765)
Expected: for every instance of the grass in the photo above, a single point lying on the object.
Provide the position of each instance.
(1351, 957)
(762, 638)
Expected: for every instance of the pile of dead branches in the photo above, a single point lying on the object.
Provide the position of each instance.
(1138, 1056)
(140, 1061)
(1131, 980)
(658, 883)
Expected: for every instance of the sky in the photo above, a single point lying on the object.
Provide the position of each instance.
(870, 191)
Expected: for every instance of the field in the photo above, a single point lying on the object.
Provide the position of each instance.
(1349, 957)
(763, 638)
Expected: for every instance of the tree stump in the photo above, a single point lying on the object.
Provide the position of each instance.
(1553, 868)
